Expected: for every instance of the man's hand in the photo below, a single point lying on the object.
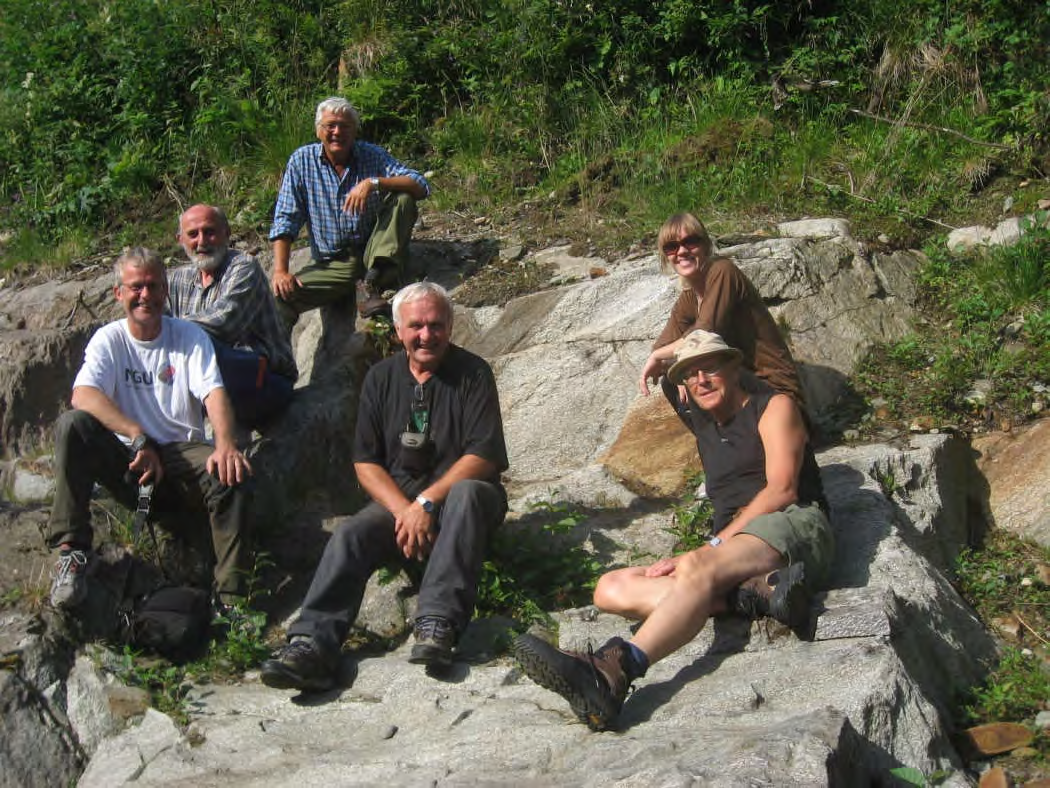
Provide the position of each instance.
(358, 196)
(413, 529)
(662, 568)
(229, 465)
(285, 283)
(147, 464)
(653, 370)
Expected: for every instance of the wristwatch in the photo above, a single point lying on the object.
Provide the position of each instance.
(426, 503)
(375, 183)
(141, 442)
(715, 541)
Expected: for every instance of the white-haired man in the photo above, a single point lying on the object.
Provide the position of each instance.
(225, 292)
(772, 542)
(359, 203)
(429, 450)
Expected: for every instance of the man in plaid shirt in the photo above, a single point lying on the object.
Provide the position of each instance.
(226, 293)
(360, 205)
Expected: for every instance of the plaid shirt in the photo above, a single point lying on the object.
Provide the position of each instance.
(237, 308)
(311, 193)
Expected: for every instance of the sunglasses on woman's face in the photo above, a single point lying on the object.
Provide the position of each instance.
(689, 242)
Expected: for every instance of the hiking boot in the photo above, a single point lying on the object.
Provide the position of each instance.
(781, 595)
(299, 665)
(435, 639)
(595, 684)
(370, 302)
(69, 578)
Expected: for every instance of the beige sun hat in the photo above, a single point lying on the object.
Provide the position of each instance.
(698, 344)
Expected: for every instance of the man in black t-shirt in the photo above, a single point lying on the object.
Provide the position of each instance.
(772, 537)
(429, 450)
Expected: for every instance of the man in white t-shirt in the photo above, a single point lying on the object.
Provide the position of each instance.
(137, 420)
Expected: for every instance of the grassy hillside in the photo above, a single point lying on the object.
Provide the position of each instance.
(591, 120)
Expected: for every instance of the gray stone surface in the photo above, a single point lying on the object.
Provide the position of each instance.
(733, 708)
(894, 643)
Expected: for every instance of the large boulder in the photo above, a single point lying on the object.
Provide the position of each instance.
(873, 691)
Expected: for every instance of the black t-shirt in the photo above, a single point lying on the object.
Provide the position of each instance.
(462, 417)
(734, 457)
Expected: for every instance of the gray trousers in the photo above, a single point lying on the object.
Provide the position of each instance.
(364, 542)
(86, 452)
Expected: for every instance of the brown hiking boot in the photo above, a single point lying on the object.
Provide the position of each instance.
(370, 302)
(595, 684)
(781, 595)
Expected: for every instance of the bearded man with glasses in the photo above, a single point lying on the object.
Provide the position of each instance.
(770, 525)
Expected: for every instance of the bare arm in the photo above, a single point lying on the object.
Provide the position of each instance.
(784, 439)
(226, 461)
(147, 463)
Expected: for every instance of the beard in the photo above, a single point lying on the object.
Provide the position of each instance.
(208, 261)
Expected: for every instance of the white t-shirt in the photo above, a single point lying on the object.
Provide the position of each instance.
(161, 383)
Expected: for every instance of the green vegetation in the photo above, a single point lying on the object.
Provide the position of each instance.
(115, 114)
(533, 568)
(691, 518)
(1006, 581)
(989, 320)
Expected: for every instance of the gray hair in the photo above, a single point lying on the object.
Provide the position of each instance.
(337, 106)
(418, 291)
(138, 257)
(220, 214)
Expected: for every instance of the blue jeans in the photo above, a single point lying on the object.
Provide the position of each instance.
(256, 392)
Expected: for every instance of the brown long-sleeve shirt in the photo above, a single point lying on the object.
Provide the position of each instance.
(732, 308)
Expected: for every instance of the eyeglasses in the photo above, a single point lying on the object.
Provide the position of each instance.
(689, 242)
(330, 127)
(138, 287)
(695, 372)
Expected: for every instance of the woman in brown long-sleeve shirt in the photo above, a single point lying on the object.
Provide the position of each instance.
(718, 298)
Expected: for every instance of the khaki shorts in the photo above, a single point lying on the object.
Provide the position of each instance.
(800, 534)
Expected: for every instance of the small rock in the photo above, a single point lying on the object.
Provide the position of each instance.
(1026, 582)
(883, 238)
(997, 737)
(850, 435)
(994, 778)
(1008, 203)
(1007, 626)
(1014, 330)
(1042, 573)
(1043, 205)
(1038, 406)
(481, 220)
(596, 272)
(1042, 720)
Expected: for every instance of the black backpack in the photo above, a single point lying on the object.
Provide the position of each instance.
(153, 614)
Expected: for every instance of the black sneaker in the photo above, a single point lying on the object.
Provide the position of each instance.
(435, 639)
(299, 665)
(69, 578)
(781, 595)
(595, 684)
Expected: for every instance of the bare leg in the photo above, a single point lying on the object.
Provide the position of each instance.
(700, 582)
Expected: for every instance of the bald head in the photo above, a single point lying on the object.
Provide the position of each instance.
(204, 234)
